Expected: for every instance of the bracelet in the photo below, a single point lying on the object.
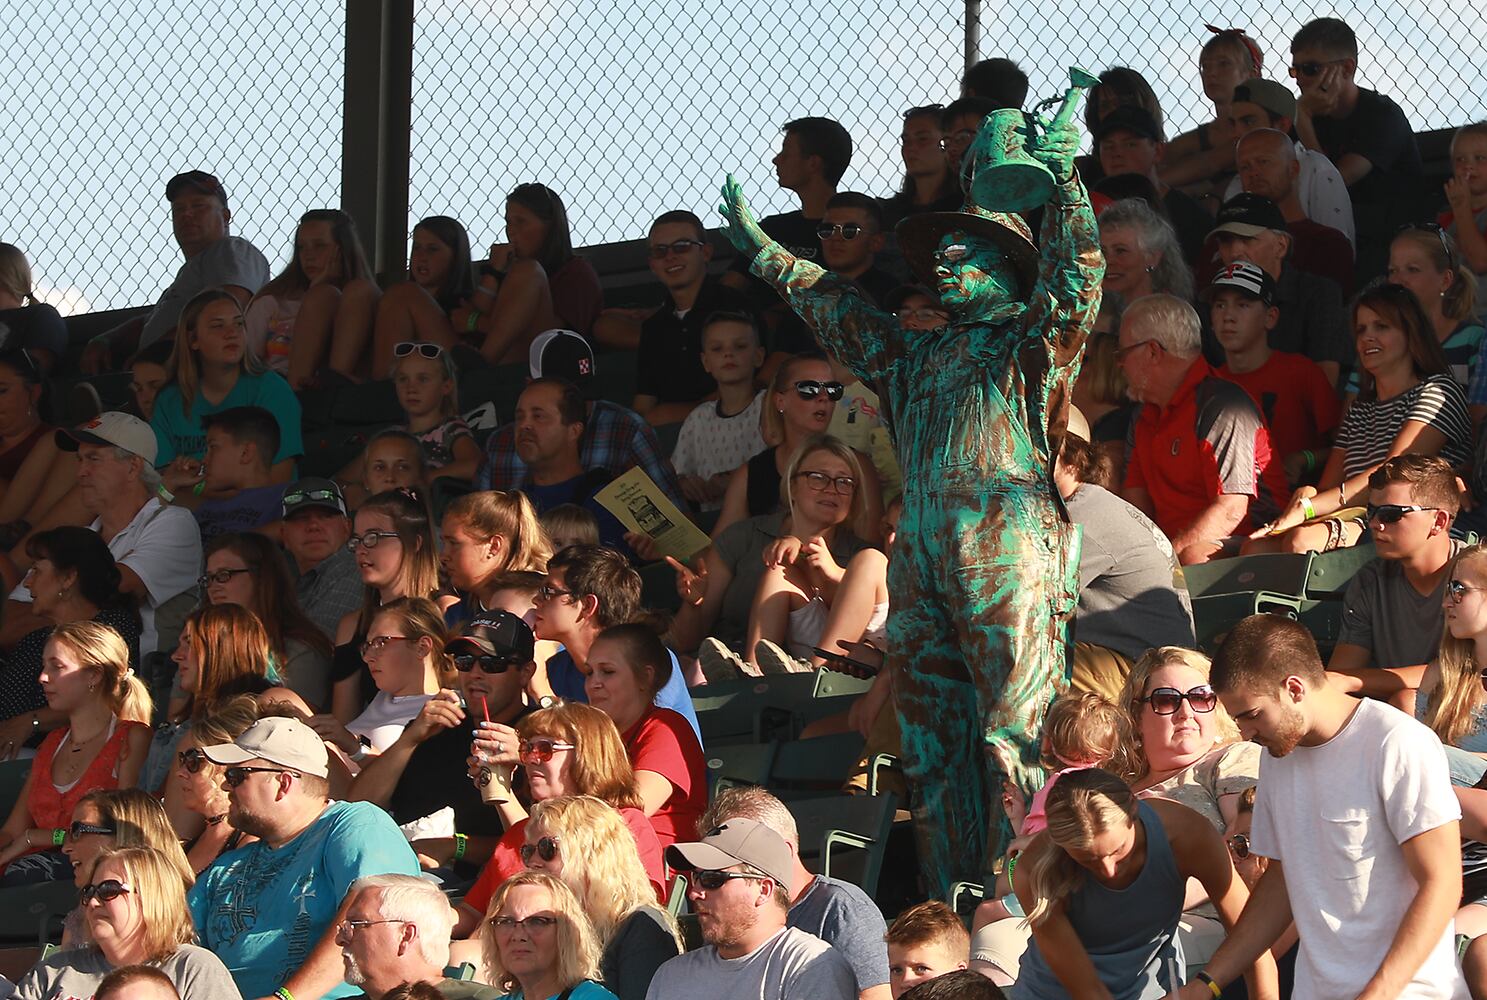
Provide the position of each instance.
(27, 836)
(461, 843)
(283, 993)
(1308, 509)
(199, 488)
(1310, 458)
(471, 320)
(1342, 500)
(1211, 983)
(1011, 867)
(59, 837)
(165, 494)
(1013, 905)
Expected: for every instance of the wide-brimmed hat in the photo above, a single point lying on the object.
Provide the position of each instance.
(919, 237)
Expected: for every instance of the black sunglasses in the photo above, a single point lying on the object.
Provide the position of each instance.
(810, 389)
(1312, 67)
(847, 231)
(489, 664)
(78, 830)
(235, 776)
(106, 891)
(193, 760)
(427, 350)
(660, 251)
(546, 848)
(1239, 844)
(1165, 700)
(1393, 513)
(711, 880)
(1438, 231)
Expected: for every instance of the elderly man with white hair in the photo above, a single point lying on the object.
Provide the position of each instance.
(395, 931)
(1200, 459)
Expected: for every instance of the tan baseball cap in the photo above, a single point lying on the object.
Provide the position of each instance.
(737, 841)
(287, 742)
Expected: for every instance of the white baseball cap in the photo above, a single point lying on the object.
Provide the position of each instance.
(122, 430)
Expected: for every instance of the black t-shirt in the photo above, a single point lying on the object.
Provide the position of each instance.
(1378, 131)
(669, 360)
(877, 283)
(1191, 220)
(435, 777)
(32, 327)
(797, 234)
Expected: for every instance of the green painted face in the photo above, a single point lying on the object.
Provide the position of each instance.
(972, 275)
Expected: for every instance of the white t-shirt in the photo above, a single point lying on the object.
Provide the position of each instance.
(162, 544)
(710, 443)
(384, 720)
(792, 965)
(1335, 816)
(1323, 193)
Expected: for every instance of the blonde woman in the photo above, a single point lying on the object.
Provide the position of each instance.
(1451, 699)
(539, 943)
(85, 675)
(197, 782)
(33, 325)
(1103, 889)
(135, 906)
(484, 536)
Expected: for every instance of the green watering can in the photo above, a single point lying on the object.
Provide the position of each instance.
(1002, 176)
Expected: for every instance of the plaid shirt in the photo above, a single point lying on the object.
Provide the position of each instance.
(615, 438)
(330, 589)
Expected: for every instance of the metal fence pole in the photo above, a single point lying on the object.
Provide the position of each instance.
(378, 102)
(973, 32)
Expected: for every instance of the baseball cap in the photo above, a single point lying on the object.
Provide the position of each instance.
(195, 180)
(122, 430)
(1248, 214)
(287, 742)
(1128, 118)
(1273, 97)
(499, 633)
(563, 354)
(737, 841)
(1247, 277)
(313, 491)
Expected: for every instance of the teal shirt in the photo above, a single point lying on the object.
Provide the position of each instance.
(586, 990)
(176, 433)
(262, 911)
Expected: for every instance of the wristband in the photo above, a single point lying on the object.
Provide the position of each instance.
(165, 494)
(283, 993)
(471, 320)
(1011, 867)
(1311, 459)
(1211, 983)
(1013, 905)
(461, 842)
(59, 837)
(199, 488)
(1308, 509)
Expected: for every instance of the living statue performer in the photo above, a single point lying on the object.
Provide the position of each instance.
(984, 572)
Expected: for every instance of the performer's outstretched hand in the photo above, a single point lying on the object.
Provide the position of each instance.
(1056, 148)
(739, 225)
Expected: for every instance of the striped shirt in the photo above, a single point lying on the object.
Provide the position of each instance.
(1368, 431)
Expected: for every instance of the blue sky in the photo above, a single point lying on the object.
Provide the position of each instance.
(625, 108)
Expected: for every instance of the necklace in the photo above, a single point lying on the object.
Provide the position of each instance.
(78, 745)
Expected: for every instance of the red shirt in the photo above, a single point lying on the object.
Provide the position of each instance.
(1208, 440)
(663, 742)
(1298, 403)
(50, 808)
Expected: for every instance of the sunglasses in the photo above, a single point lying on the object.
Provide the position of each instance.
(220, 576)
(1165, 701)
(959, 139)
(711, 880)
(369, 540)
(537, 922)
(547, 592)
(300, 496)
(427, 350)
(1312, 68)
(810, 389)
(377, 644)
(106, 891)
(660, 251)
(821, 482)
(1393, 513)
(78, 830)
(489, 664)
(1239, 844)
(1440, 234)
(847, 231)
(546, 848)
(193, 760)
(541, 749)
(235, 776)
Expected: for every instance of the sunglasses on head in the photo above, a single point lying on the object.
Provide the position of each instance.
(847, 231)
(106, 891)
(78, 830)
(487, 662)
(300, 496)
(1435, 229)
(546, 848)
(235, 776)
(427, 350)
(1393, 513)
(193, 760)
(1166, 700)
(541, 748)
(810, 389)
(711, 879)
(1239, 844)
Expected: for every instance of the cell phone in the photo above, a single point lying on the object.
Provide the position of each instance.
(845, 664)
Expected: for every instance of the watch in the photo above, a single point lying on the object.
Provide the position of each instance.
(548, 701)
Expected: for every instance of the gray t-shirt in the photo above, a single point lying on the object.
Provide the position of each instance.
(196, 973)
(846, 918)
(1386, 615)
(229, 261)
(1131, 594)
(792, 965)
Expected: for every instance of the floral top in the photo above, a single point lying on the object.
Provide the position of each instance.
(1225, 770)
(438, 442)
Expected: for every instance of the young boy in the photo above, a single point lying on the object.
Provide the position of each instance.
(238, 493)
(851, 235)
(1297, 401)
(718, 437)
(925, 942)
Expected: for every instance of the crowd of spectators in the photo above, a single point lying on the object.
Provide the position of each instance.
(406, 729)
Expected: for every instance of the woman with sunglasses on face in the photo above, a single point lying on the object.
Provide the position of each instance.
(136, 911)
(249, 570)
(85, 675)
(198, 781)
(393, 543)
(1250, 867)
(1451, 699)
(584, 842)
(538, 942)
(1408, 403)
(802, 398)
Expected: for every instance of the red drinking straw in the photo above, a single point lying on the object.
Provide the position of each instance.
(485, 709)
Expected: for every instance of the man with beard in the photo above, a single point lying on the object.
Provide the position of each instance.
(270, 910)
(396, 931)
(1358, 818)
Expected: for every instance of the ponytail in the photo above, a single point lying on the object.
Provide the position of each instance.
(1460, 300)
(512, 516)
(99, 647)
(1080, 806)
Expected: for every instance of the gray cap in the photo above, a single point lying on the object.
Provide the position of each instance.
(287, 742)
(737, 841)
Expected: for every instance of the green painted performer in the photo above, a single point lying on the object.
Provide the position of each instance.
(983, 580)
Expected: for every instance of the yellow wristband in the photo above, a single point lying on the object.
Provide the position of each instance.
(1211, 983)
(1308, 509)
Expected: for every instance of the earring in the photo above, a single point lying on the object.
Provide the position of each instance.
(1150, 269)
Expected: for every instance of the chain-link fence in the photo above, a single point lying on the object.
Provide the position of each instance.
(106, 101)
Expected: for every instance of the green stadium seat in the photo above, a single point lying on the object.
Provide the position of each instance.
(845, 836)
(1329, 574)
(1278, 572)
(740, 764)
(1215, 614)
(820, 765)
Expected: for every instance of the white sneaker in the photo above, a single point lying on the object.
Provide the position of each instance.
(773, 659)
(719, 663)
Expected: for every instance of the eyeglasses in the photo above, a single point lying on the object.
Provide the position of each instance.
(350, 927)
(810, 389)
(300, 496)
(546, 592)
(1239, 844)
(922, 314)
(79, 830)
(235, 776)
(220, 576)
(536, 922)
(425, 349)
(660, 251)
(378, 643)
(953, 254)
(546, 848)
(369, 540)
(960, 138)
(489, 664)
(711, 879)
(847, 231)
(540, 749)
(820, 482)
(1456, 590)
(1165, 701)
(106, 891)
(1393, 513)
(1311, 68)
(1440, 234)
(193, 760)
(1121, 352)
